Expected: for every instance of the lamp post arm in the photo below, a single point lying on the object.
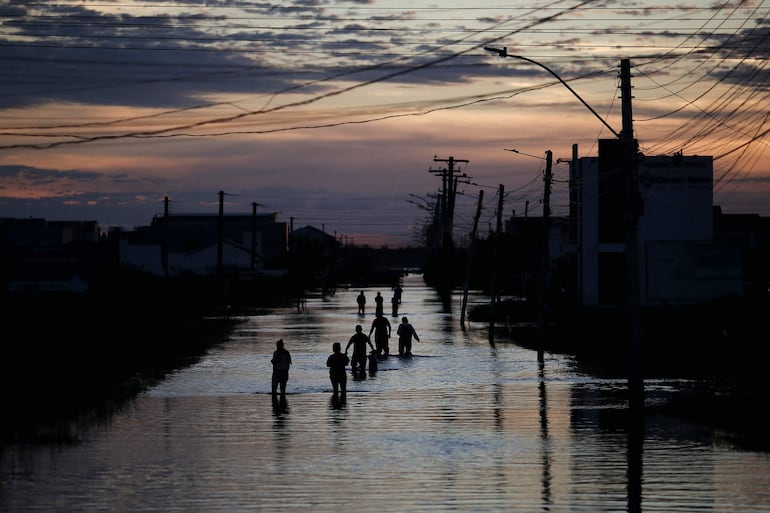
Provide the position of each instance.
(504, 53)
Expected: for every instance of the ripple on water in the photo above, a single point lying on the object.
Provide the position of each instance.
(460, 427)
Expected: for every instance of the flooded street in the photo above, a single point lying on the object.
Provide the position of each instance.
(461, 426)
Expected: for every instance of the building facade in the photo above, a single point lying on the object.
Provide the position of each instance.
(680, 263)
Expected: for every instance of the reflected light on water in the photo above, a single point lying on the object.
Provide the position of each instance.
(461, 426)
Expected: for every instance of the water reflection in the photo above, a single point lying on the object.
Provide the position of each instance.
(282, 437)
(338, 401)
(280, 407)
(545, 450)
(635, 446)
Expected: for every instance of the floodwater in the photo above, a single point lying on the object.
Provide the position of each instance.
(462, 426)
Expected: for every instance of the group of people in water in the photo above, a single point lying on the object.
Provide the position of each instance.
(379, 302)
(338, 361)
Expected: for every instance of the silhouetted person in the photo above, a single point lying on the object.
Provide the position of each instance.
(397, 290)
(381, 329)
(405, 333)
(378, 301)
(361, 300)
(359, 341)
(281, 362)
(337, 362)
(394, 301)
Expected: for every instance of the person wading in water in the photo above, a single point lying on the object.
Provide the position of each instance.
(281, 362)
(337, 362)
(405, 333)
(361, 300)
(360, 355)
(381, 329)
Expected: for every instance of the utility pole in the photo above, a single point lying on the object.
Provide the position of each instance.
(495, 249)
(471, 249)
(544, 257)
(447, 200)
(631, 213)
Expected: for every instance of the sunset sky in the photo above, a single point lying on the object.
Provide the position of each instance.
(331, 113)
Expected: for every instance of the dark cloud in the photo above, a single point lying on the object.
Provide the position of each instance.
(37, 176)
(78, 54)
(172, 54)
(80, 195)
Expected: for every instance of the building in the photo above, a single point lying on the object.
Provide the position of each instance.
(15, 232)
(41, 256)
(318, 242)
(680, 262)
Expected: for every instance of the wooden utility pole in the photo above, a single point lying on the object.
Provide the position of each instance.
(471, 249)
(495, 249)
(545, 256)
(447, 200)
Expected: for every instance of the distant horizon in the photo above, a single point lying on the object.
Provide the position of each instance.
(344, 239)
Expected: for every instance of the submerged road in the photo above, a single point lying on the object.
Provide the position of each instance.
(461, 426)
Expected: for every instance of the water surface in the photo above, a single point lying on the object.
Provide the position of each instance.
(462, 426)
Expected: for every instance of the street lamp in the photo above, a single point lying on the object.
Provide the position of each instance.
(503, 52)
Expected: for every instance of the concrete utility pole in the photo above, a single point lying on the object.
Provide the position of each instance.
(449, 181)
(632, 212)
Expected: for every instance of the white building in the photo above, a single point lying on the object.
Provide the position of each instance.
(678, 261)
(199, 261)
(189, 244)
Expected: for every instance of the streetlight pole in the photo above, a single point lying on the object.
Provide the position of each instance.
(632, 211)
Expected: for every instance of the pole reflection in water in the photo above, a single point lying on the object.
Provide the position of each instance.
(461, 426)
(546, 458)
